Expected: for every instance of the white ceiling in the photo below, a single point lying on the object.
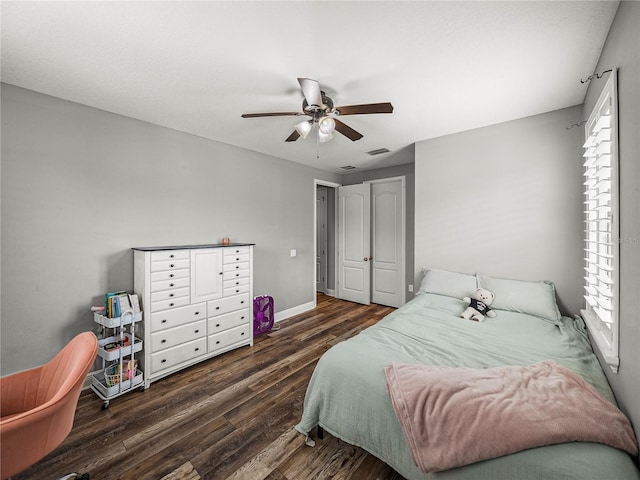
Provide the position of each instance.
(197, 66)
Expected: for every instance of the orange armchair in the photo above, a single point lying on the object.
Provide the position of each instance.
(38, 405)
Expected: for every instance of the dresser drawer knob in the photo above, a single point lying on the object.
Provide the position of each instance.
(221, 273)
(164, 320)
(242, 333)
(197, 331)
(217, 342)
(237, 290)
(171, 304)
(171, 295)
(217, 308)
(242, 317)
(171, 284)
(164, 360)
(171, 275)
(217, 325)
(237, 267)
(242, 301)
(237, 259)
(172, 265)
(197, 348)
(164, 340)
(171, 256)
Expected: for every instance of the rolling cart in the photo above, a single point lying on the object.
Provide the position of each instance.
(117, 348)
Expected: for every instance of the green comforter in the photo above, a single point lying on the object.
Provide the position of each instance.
(347, 393)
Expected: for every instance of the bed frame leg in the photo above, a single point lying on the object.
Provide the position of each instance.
(320, 432)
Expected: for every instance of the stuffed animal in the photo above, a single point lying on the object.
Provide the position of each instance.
(479, 305)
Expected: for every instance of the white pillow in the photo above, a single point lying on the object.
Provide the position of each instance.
(533, 298)
(451, 284)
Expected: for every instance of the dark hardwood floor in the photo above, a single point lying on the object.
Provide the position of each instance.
(229, 417)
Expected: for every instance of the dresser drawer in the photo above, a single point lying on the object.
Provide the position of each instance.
(161, 255)
(236, 267)
(178, 316)
(178, 354)
(169, 275)
(241, 257)
(235, 290)
(230, 251)
(227, 321)
(235, 274)
(171, 294)
(165, 265)
(229, 337)
(236, 282)
(172, 283)
(175, 336)
(226, 305)
(169, 304)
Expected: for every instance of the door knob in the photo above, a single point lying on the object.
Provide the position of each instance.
(366, 259)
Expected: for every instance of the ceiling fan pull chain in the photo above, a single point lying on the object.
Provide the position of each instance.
(318, 145)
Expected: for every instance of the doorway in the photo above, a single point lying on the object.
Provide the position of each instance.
(325, 224)
(321, 239)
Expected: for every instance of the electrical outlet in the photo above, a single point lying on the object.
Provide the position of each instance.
(293, 252)
(411, 288)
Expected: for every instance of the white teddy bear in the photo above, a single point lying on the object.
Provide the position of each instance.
(479, 305)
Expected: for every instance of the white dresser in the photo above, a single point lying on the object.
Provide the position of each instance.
(197, 303)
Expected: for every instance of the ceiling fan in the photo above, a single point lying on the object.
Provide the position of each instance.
(323, 113)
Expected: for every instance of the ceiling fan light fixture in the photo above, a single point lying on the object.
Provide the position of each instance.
(303, 128)
(327, 125)
(324, 137)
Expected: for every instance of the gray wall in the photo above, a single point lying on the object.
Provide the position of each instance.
(81, 186)
(408, 171)
(622, 50)
(505, 200)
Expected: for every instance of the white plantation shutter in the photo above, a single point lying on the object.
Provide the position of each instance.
(601, 223)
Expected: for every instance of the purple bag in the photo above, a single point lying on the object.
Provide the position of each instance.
(263, 315)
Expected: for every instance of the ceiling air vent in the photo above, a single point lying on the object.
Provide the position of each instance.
(378, 151)
(346, 168)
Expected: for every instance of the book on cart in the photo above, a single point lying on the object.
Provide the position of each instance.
(116, 303)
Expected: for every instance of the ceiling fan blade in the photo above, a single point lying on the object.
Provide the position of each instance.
(347, 131)
(293, 137)
(271, 114)
(365, 109)
(311, 91)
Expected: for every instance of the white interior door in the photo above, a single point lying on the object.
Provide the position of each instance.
(387, 204)
(354, 243)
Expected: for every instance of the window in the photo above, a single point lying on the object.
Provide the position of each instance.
(601, 241)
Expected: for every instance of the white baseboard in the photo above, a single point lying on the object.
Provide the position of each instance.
(331, 293)
(290, 312)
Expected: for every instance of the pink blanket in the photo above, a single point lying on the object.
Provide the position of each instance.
(455, 416)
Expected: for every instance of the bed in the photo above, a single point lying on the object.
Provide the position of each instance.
(347, 395)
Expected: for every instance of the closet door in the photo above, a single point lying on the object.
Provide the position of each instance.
(387, 228)
(354, 243)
